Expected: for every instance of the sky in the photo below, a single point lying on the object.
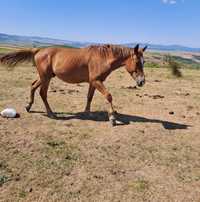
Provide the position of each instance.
(105, 21)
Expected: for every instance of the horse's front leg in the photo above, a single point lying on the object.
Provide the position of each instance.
(102, 89)
(90, 95)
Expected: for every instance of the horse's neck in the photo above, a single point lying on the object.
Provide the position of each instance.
(117, 63)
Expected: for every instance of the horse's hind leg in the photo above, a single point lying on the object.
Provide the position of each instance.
(43, 94)
(34, 87)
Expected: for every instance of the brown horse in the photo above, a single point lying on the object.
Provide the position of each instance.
(91, 64)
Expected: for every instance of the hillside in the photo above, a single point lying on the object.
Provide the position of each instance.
(16, 40)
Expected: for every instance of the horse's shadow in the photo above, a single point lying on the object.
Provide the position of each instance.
(123, 119)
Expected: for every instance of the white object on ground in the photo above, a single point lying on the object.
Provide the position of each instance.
(9, 113)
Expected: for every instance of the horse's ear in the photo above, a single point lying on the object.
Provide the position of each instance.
(136, 49)
(144, 48)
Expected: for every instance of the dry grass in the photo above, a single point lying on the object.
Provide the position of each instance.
(78, 158)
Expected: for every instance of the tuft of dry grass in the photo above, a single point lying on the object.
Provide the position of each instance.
(173, 65)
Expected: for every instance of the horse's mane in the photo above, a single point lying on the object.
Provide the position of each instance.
(109, 49)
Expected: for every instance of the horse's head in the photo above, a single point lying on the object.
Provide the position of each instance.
(135, 65)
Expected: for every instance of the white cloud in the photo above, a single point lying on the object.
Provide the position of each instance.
(169, 1)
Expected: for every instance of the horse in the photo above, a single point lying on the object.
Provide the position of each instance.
(92, 64)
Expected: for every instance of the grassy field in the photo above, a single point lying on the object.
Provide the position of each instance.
(185, 60)
(153, 156)
(4, 50)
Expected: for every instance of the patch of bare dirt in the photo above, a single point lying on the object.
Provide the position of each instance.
(152, 156)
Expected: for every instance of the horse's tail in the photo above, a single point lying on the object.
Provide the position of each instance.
(14, 58)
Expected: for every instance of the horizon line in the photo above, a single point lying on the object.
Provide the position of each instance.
(92, 42)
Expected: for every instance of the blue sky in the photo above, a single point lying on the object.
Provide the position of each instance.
(114, 21)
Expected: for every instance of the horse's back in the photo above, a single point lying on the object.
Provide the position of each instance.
(68, 64)
(71, 65)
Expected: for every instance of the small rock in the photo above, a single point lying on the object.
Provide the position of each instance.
(98, 177)
(132, 87)
(9, 113)
(189, 107)
(17, 178)
(30, 189)
(138, 95)
(73, 91)
(68, 173)
(158, 96)
(68, 157)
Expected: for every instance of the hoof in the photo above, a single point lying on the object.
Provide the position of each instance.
(113, 123)
(51, 115)
(28, 107)
(112, 120)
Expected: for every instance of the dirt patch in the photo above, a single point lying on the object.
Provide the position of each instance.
(151, 156)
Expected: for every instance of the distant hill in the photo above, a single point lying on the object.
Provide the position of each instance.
(166, 47)
(15, 40)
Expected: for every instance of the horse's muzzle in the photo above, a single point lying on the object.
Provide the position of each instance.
(140, 81)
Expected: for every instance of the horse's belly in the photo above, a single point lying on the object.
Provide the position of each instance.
(75, 75)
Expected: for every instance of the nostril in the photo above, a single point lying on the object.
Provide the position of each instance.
(140, 83)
